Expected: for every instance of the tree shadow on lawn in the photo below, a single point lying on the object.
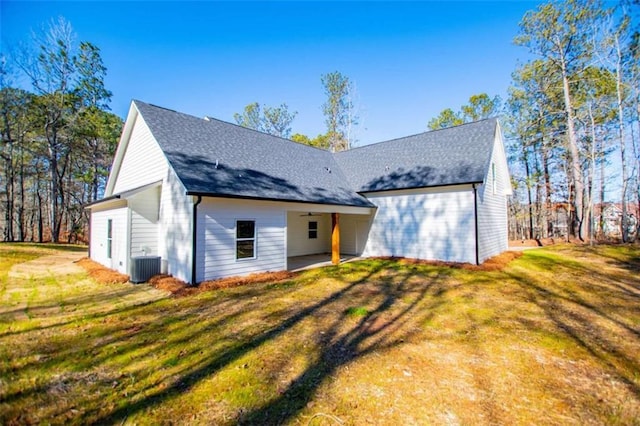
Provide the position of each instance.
(625, 256)
(390, 303)
(172, 346)
(594, 310)
(84, 305)
(374, 331)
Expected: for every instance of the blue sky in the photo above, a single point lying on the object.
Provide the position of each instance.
(408, 60)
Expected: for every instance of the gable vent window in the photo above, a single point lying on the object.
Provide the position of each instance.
(494, 185)
(109, 237)
(313, 230)
(245, 239)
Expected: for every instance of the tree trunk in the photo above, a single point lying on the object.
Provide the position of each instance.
(591, 175)
(21, 208)
(9, 205)
(547, 187)
(576, 168)
(624, 231)
(9, 180)
(528, 181)
(40, 219)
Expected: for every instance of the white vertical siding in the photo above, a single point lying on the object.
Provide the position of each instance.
(216, 247)
(436, 224)
(175, 227)
(493, 236)
(143, 161)
(120, 225)
(298, 241)
(144, 222)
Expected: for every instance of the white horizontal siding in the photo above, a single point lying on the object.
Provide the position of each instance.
(143, 162)
(175, 227)
(144, 236)
(144, 222)
(492, 207)
(298, 241)
(98, 238)
(216, 246)
(119, 253)
(435, 224)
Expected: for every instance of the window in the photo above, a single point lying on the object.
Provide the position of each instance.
(493, 178)
(245, 239)
(313, 230)
(109, 237)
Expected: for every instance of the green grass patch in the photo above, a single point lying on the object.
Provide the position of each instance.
(357, 311)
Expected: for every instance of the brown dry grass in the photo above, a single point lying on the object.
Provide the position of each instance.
(177, 287)
(168, 283)
(102, 274)
(551, 338)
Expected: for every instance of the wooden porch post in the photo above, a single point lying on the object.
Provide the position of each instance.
(335, 238)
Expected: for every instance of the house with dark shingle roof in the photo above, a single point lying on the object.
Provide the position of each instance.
(212, 199)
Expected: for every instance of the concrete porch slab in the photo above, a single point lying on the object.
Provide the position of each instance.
(301, 263)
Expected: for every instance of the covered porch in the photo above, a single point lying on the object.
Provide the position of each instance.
(320, 235)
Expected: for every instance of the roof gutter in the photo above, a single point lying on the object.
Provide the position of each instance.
(103, 200)
(372, 191)
(368, 204)
(194, 240)
(475, 220)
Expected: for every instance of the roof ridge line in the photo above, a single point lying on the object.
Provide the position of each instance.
(209, 119)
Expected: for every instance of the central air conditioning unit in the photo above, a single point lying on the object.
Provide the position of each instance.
(143, 268)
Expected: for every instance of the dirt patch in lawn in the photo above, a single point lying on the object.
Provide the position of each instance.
(62, 263)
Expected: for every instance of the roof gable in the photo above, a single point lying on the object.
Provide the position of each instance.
(216, 158)
(452, 156)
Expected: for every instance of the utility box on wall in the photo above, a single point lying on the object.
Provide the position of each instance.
(143, 268)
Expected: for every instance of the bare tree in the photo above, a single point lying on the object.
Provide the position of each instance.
(51, 71)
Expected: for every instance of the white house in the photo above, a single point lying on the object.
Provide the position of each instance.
(213, 199)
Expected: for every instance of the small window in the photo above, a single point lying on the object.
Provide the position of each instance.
(493, 178)
(245, 239)
(109, 237)
(313, 230)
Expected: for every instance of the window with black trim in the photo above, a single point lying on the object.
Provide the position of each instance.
(245, 239)
(313, 230)
(109, 237)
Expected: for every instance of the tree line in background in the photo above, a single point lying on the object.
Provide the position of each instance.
(571, 121)
(573, 110)
(57, 139)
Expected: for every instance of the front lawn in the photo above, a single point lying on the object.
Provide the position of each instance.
(553, 338)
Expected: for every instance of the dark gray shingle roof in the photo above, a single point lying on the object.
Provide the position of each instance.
(212, 157)
(216, 158)
(456, 155)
